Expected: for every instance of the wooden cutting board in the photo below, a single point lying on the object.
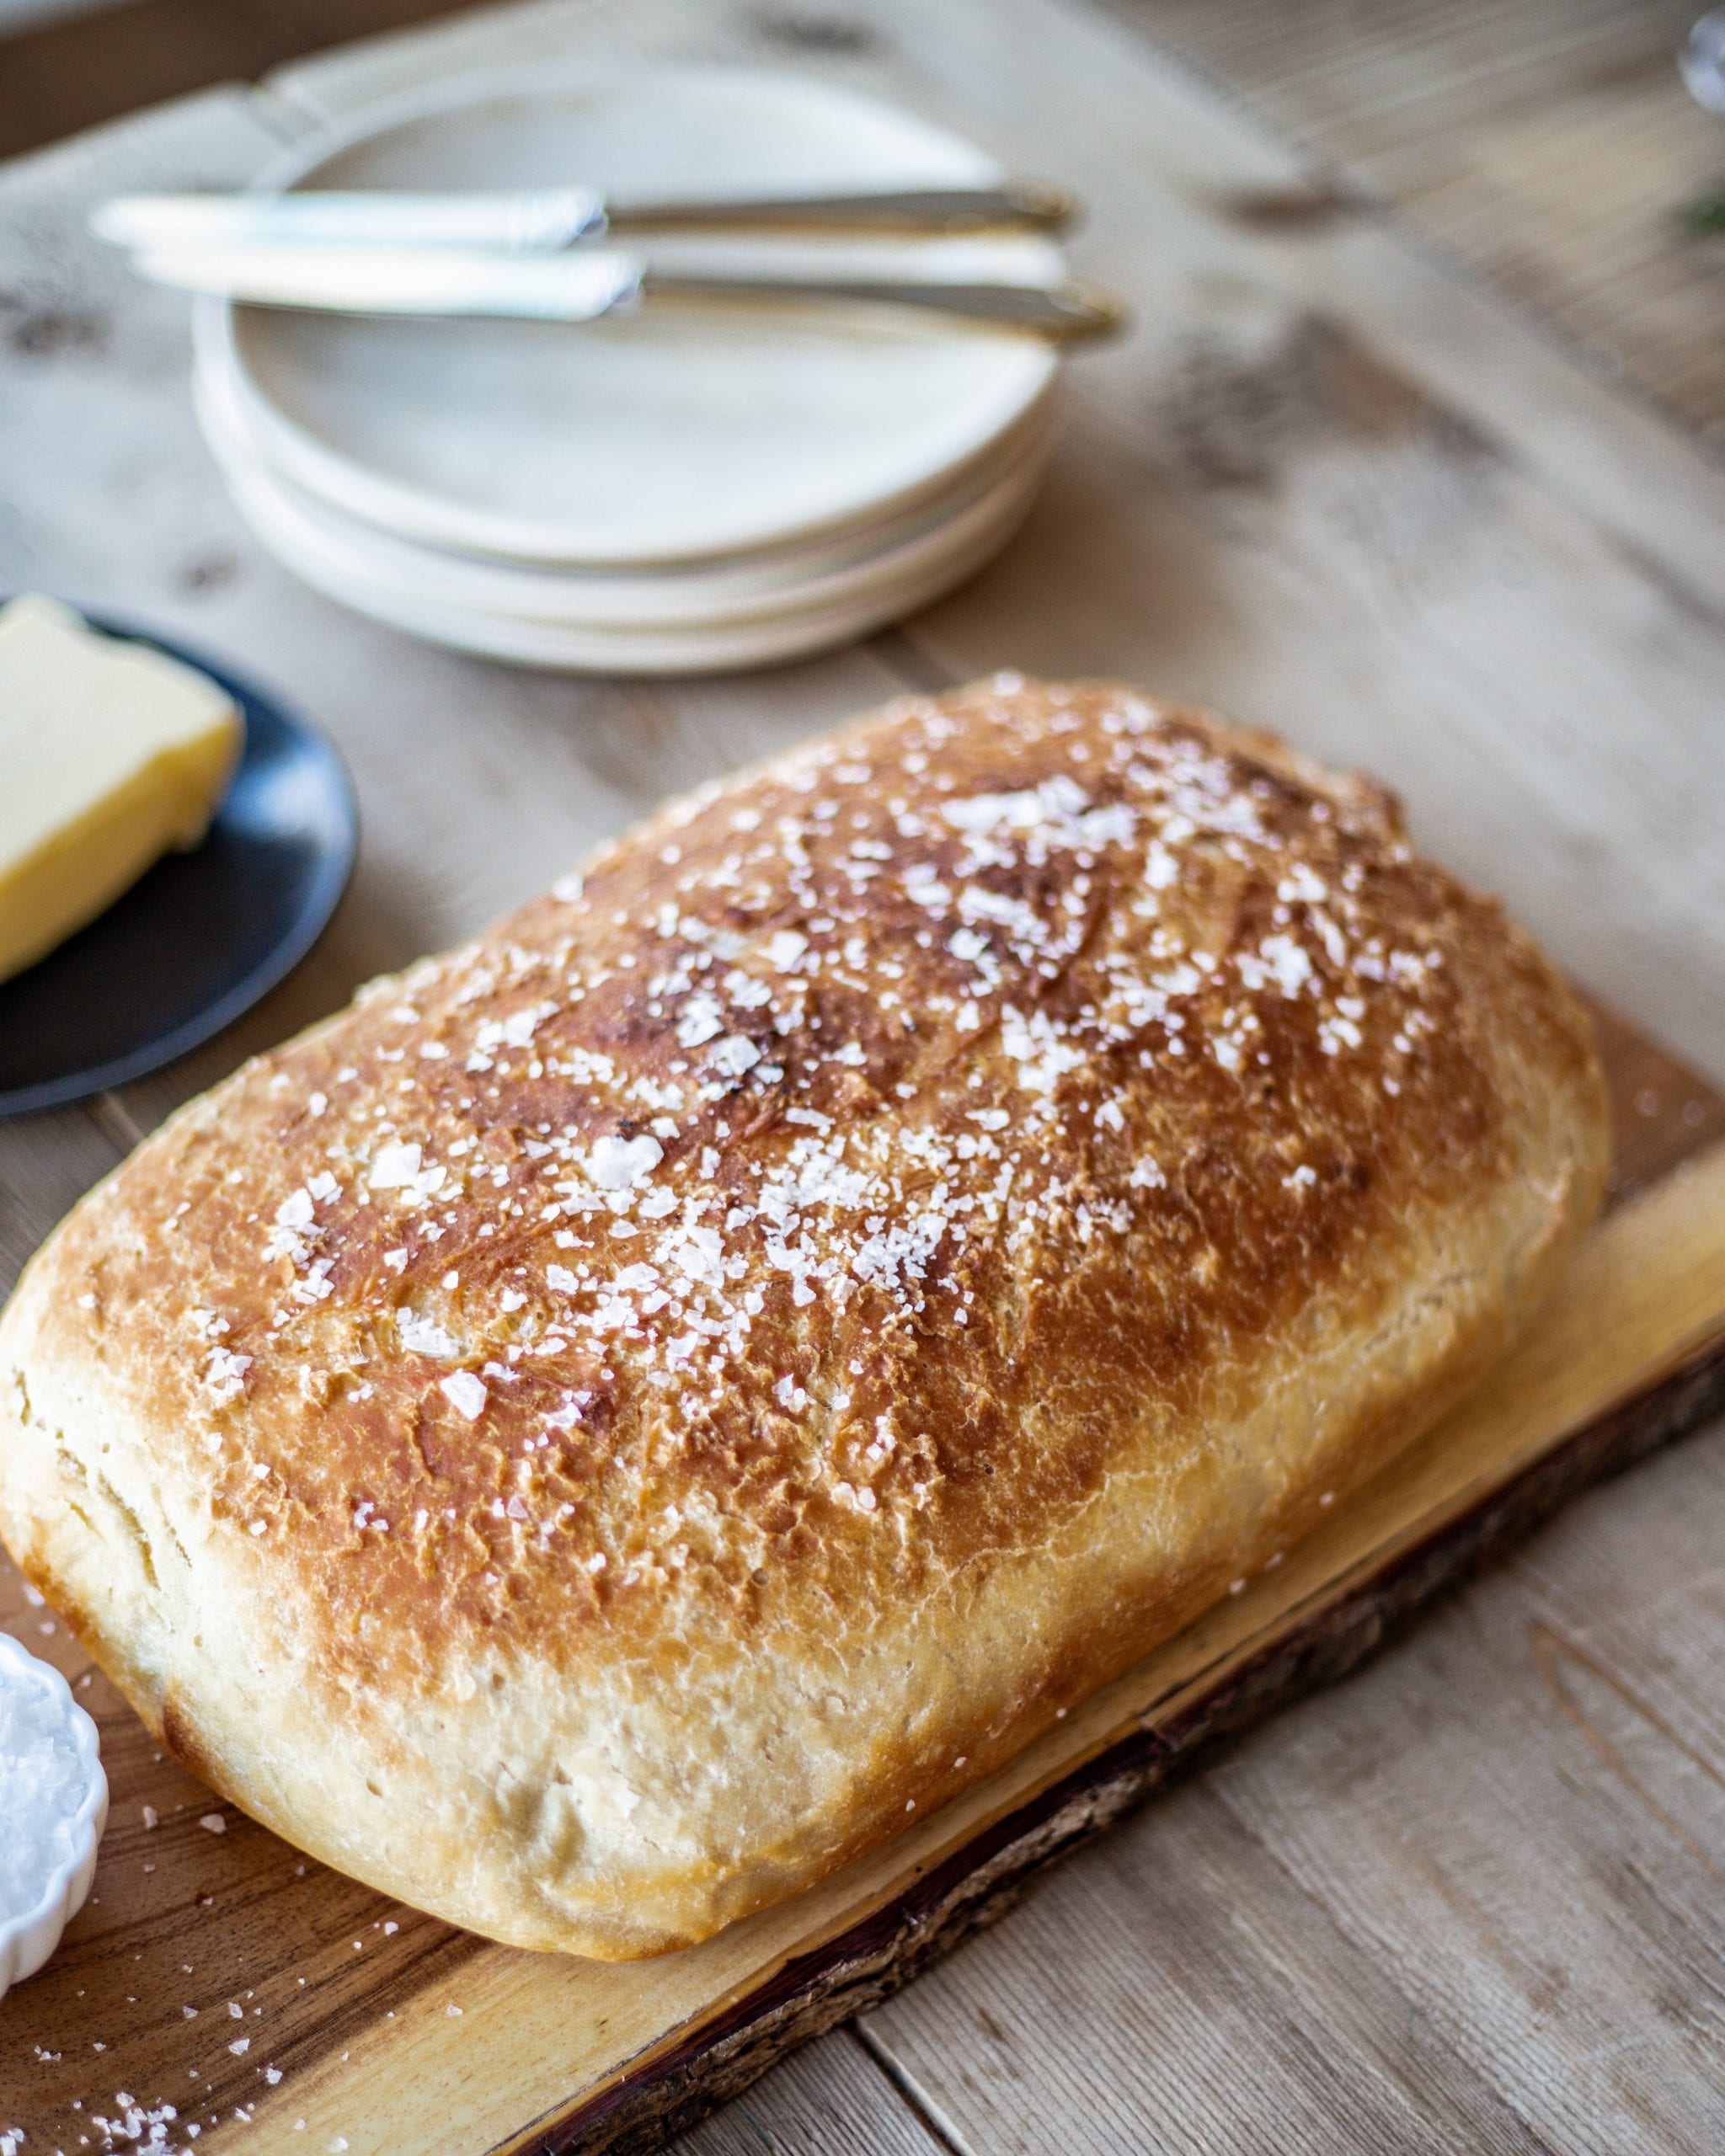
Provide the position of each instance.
(275, 2005)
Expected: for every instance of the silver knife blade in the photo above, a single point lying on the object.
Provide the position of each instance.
(589, 282)
(573, 287)
(546, 219)
(531, 220)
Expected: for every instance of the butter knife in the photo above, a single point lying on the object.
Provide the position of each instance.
(582, 285)
(545, 219)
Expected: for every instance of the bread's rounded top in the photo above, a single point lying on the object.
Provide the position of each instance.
(780, 1214)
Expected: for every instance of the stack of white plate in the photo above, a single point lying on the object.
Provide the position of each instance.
(673, 489)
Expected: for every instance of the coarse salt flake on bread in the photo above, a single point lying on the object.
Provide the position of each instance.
(589, 1437)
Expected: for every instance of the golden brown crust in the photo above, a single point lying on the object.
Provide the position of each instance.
(589, 1435)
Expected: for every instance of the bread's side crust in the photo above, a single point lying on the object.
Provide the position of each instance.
(616, 1787)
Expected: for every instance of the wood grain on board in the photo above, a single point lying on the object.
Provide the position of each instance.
(1325, 487)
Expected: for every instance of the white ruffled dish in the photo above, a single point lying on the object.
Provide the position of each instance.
(28, 1939)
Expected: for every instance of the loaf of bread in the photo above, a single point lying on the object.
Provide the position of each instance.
(603, 1431)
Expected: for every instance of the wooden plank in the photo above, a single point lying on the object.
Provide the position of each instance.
(1566, 1928)
(1200, 1951)
(1485, 1859)
(830, 2099)
(1546, 147)
(1162, 156)
(1504, 1852)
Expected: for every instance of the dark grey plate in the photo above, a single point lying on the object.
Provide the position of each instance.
(200, 936)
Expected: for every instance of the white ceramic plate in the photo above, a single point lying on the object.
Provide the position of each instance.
(663, 435)
(715, 647)
(892, 558)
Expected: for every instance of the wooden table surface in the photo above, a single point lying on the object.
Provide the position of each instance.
(1362, 473)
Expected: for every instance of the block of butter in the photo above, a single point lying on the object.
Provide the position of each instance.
(110, 754)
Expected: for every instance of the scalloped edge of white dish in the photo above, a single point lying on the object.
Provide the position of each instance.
(389, 568)
(733, 647)
(420, 513)
(26, 1941)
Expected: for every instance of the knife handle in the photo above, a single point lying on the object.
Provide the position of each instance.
(919, 209)
(1066, 312)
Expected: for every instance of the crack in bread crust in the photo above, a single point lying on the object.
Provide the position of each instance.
(720, 1361)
